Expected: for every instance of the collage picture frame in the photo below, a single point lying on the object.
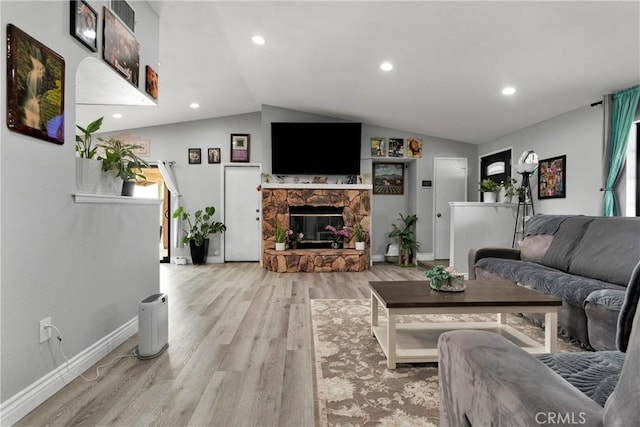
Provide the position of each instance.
(552, 178)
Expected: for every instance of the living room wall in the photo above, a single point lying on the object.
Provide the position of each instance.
(576, 134)
(60, 259)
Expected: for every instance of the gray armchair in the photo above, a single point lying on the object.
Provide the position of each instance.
(485, 380)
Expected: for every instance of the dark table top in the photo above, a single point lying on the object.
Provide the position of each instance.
(478, 293)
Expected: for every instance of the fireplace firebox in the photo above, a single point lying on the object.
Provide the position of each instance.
(312, 221)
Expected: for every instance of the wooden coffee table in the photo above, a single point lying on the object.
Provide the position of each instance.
(417, 342)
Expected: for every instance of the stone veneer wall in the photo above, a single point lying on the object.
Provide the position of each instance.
(356, 204)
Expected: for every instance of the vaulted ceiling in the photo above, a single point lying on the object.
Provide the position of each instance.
(451, 60)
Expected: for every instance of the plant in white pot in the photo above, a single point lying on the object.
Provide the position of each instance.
(358, 236)
(489, 190)
(200, 227)
(510, 189)
(122, 165)
(88, 168)
(280, 237)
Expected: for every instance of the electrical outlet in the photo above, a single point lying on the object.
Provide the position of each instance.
(45, 333)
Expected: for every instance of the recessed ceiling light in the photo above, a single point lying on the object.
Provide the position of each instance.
(386, 66)
(509, 90)
(259, 40)
(194, 105)
(117, 116)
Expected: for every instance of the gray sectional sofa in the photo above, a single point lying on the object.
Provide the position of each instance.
(585, 261)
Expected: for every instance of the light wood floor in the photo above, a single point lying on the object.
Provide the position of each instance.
(239, 353)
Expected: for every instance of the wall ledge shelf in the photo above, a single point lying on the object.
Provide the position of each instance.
(113, 200)
(269, 185)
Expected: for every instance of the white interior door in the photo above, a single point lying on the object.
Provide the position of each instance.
(242, 213)
(449, 185)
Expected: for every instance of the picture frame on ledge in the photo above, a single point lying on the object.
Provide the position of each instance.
(388, 178)
(35, 92)
(120, 49)
(84, 24)
(240, 147)
(552, 178)
(378, 147)
(396, 147)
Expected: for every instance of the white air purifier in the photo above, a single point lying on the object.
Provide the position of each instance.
(153, 326)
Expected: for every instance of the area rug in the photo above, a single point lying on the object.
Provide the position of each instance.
(354, 386)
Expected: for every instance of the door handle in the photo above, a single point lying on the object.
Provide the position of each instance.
(438, 214)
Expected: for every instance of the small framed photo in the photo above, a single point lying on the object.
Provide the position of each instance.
(239, 147)
(151, 82)
(195, 156)
(378, 147)
(35, 88)
(214, 155)
(414, 147)
(552, 178)
(396, 147)
(388, 178)
(84, 24)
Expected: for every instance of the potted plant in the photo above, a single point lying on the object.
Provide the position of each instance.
(198, 231)
(406, 238)
(446, 279)
(280, 237)
(294, 238)
(510, 189)
(121, 161)
(88, 169)
(338, 236)
(489, 189)
(358, 236)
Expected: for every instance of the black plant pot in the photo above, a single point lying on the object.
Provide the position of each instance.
(128, 187)
(199, 253)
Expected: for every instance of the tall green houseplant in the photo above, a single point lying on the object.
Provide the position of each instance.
(406, 237)
(198, 230)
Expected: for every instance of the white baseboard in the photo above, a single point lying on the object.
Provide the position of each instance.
(424, 256)
(19, 405)
(377, 258)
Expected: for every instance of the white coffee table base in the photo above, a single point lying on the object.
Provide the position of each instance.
(417, 342)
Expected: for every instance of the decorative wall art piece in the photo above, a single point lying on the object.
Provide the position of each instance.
(145, 144)
(214, 155)
(239, 147)
(414, 147)
(396, 147)
(35, 97)
(195, 156)
(84, 24)
(378, 147)
(120, 48)
(388, 178)
(552, 178)
(151, 82)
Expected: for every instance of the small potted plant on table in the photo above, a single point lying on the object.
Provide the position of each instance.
(446, 279)
(489, 190)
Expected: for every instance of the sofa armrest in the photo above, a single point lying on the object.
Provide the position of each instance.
(487, 380)
(476, 254)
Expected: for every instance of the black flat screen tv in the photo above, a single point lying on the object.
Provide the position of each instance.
(315, 148)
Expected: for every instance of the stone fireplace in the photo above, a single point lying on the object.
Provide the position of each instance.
(311, 207)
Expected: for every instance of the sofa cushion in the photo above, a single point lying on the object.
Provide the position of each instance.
(593, 373)
(628, 310)
(609, 250)
(568, 287)
(533, 248)
(602, 309)
(544, 224)
(565, 241)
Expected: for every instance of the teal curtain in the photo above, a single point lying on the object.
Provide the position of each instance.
(625, 104)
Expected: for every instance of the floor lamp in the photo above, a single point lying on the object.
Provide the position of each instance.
(527, 165)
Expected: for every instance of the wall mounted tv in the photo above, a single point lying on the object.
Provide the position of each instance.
(315, 148)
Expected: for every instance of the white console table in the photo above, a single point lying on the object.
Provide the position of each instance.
(476, 224)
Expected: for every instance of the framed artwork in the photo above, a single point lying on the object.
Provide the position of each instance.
(214, 155)
(151, 82)
(396, 147)
(84, 24)
(378, 147)
(120, 49)
(239, 147)
(552, 178)
(195, 156)
(388, 178)
(414, 147)
(35, 88)
(144, 144)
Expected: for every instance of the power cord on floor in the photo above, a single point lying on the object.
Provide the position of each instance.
(114, 360)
